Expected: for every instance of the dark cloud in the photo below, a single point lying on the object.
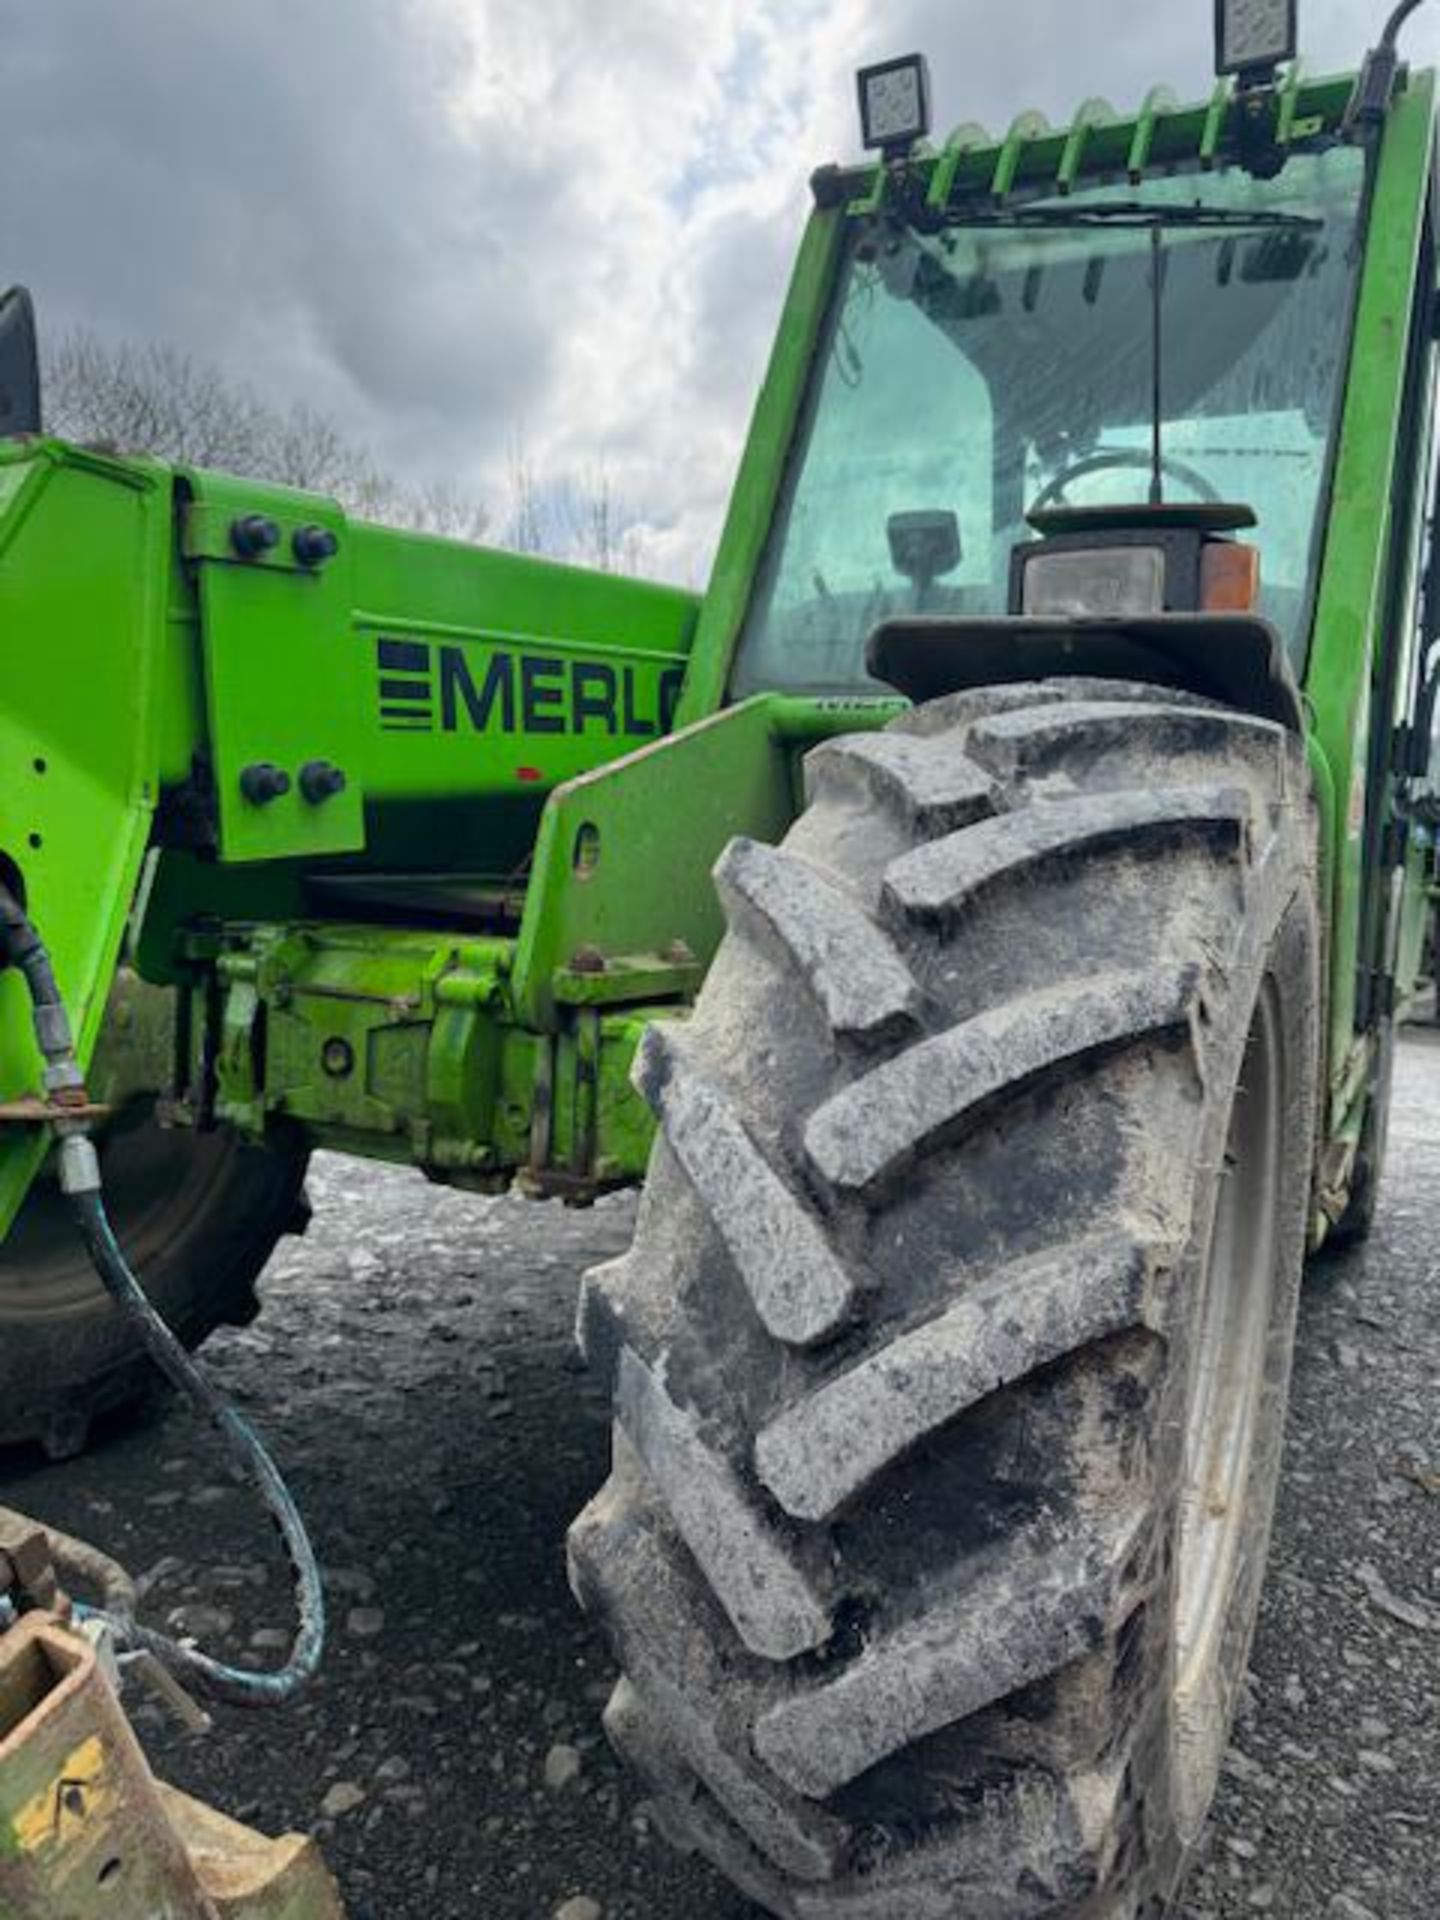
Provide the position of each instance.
(455, 224)
(280, 187)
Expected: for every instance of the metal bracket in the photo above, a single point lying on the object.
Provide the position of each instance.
(87, 1830)
(1235, 658)
(1376, 998)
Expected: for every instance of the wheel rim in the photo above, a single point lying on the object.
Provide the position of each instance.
(156, 1184)
(1224, 1395)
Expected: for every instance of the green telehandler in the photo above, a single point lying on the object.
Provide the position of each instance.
(1056, 725)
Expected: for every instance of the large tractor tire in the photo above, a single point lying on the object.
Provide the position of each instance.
(950, 1359)
(198, 1216)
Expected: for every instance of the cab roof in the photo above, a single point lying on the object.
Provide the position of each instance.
(1101, 144)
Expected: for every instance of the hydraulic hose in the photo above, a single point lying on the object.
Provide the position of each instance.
(22, 947)
(1376, 86)
(234, 1685)
(1390, 37)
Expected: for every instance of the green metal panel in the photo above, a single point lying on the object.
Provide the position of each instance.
(1350, 606)
(448, 583)
(622, 865)
(497, 673)
(83, 615)
(481, 709)
(621, 873)
(423, 668)
(277, 689)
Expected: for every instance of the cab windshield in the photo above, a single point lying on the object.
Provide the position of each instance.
(998, 365)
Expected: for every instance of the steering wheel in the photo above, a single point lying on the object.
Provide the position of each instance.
(1108, 461)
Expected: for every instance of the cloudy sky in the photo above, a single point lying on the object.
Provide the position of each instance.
(459, 226)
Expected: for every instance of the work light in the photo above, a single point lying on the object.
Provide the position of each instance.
(895, 103)
(1254, 36)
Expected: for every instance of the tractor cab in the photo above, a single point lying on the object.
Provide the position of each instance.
(1052, 336)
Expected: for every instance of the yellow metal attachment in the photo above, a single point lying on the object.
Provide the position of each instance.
(87, 1830)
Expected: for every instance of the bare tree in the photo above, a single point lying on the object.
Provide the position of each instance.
(523, 529)
(155, 399)
(577, 518)
(604, 534)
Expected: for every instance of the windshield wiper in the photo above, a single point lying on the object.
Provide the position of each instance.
(1135, 214)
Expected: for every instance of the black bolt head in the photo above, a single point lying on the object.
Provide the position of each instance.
(319, 779)
(253, 534)
(314, 545)
(262, 781)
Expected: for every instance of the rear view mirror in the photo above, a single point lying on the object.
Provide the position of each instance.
(924, 546)
(19, 364)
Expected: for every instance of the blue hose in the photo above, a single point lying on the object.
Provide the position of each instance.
(23, 948)
(237, 1686)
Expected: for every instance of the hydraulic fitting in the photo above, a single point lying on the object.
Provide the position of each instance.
(79, 1165)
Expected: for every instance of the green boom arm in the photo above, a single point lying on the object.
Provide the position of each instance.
(190, 666)
(402, 823)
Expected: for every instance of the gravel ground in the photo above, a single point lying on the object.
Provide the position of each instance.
(413, 1369)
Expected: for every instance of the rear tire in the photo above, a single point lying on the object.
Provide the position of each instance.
(197, 1214)
(951, 1356)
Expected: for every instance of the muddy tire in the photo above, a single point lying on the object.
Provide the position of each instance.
(198, 1215)
(950, 1359)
